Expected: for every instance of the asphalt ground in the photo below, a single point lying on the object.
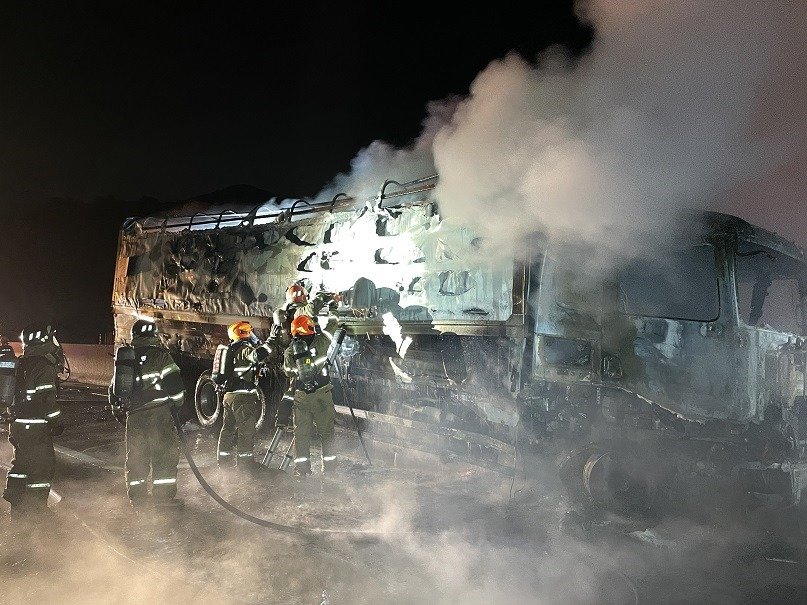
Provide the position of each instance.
(433, 533)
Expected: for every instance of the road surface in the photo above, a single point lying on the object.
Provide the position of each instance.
(443, 533)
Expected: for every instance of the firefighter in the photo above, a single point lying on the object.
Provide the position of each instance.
(5, 347)
(305, 362)
(241, 403)
(35, 419)
(151, 439)
(297, 303)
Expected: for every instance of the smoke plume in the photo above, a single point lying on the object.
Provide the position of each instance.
(676, 105)
(662, 114)
(381, 161)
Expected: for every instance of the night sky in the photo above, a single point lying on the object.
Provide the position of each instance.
(119, 109)
(130, 109)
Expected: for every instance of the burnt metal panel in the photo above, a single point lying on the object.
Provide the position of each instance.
(436, 271)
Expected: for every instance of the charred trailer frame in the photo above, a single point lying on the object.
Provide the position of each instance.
(436, 328)
(454, 353)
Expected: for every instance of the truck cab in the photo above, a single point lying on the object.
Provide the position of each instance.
(693, 351)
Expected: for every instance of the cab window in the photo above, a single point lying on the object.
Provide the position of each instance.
(768, 290)
(680, 284)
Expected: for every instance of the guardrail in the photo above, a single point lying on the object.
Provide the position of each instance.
(90, 364)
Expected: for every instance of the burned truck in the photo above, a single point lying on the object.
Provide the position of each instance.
(687, 361)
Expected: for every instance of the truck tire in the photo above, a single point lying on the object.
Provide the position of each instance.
(207, 401)
(208, 404)
(618, 477)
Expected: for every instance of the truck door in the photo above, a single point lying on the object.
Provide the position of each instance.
(681, 342)
(770, 305)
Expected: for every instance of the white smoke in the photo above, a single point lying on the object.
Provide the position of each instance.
(660, 115)
(381, 161)
(677, 104)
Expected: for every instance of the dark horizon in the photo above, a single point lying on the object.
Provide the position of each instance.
(179, 102)
(110, 112)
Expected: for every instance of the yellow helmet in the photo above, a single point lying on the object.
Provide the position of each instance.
(240, 330)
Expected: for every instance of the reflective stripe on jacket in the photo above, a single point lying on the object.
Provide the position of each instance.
(159, 380)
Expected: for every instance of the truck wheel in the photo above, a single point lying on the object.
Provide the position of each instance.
(617, 477)
(207, 402)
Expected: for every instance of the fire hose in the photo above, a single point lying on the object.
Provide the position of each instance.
(119, 412)
(246, 516)
(213, 494)
(186, 450)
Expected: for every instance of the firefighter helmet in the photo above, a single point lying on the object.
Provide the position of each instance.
(303, 325)
(144, 327)
(240, 330)
(35, 333)
(296, 294)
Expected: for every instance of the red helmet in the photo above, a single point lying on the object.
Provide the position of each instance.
(302, 325)
(296, 294)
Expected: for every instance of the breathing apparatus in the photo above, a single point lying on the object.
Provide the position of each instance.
(44, 335)
(8, 375)
(310, 372)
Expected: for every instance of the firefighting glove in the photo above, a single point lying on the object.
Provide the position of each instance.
(263, 352)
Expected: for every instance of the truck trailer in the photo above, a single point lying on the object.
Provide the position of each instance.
(688, 360)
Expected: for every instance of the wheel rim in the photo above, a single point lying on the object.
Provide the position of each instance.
(207, 402)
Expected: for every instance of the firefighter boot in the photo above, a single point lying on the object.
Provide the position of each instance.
(140, 501)
(329, 466)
